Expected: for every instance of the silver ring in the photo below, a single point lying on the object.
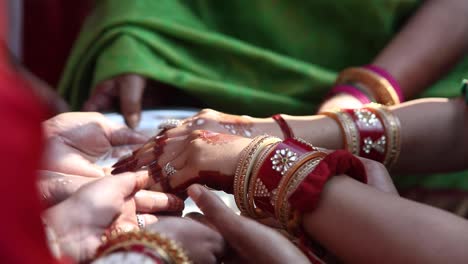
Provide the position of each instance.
(169, 170)
(169, 124)
(140, 221)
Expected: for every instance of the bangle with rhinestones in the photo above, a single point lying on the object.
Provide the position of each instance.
(377, 84)
(287, 132)
(154, 246)
(274, 166)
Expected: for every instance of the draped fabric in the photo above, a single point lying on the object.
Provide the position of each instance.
(257, 57)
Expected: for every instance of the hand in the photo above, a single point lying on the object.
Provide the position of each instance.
(202, 244)
(128, 88)
(211, 120)
(340, 101)
(107, 203)
(75, 141)
(378, 176)
(246, 237)
(203, 156)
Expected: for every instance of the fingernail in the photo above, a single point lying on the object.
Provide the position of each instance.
(133, 120)
(194, 192)
(122, 160)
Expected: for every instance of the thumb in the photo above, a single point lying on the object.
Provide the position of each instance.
(131, 87)
(129, 183)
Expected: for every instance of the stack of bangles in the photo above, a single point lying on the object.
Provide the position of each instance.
(368, 84)
(371, 132)
(284, 178)
(143, 246)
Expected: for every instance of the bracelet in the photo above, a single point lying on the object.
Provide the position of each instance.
(242, 171)
(350, 90)
(379, 86)
(382, 72)
(287, 132)
(155, 246)
(348, 128)
(271, 171)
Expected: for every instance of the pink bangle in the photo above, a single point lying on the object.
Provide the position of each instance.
(351, 90)
(383, 73)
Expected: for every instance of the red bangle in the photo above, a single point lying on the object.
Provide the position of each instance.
(287, 132)
(272, 170)
(306, 197)
(351, 90)
(373, 142)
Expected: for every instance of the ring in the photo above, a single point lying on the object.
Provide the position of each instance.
(169, 124)
(140, 221)
(169, 170)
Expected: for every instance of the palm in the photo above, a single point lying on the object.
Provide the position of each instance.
(77, 141)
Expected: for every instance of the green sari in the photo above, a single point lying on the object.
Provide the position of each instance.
(255, 57)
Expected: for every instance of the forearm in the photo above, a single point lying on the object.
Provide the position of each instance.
(388, 229)
(434, 134)
(432, 41)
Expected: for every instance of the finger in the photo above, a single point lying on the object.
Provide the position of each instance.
(131, 87)
(245, 236)
(201, 219)
(378, 176)
(126, 136)
(149, 219)
(178, 181)
(152, 202)
(128, 183)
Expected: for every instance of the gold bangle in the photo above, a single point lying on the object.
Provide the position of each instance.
(251, 208)
(392, 128)
(166, 248)
(242, 169)
(348, 128)
(381, 88)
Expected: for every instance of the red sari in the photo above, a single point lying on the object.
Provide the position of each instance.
(22, 237)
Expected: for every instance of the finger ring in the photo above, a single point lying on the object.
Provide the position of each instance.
(169, 124)
(169, 170)
(140, 221)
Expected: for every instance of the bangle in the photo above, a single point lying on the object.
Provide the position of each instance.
(382, 72)
(287, 132)
(392, 127)
(350, 90)
(271, 171)
(242, 171)
(155, 246)
(380, 87)
(348, 128)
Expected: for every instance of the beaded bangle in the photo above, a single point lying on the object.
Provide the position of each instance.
(348, 128)
(154, 245)
(275, 165)
(243, 166)
(350, 90)
(392, 127)
(371, 133)
(380, 87)
(287, 132)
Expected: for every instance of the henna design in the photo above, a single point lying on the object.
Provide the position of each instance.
(174, 203)
(129, 166)
(217, 180)
(214, 138)
(155, 171)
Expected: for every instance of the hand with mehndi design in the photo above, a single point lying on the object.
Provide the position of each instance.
(211, 120)
(105, 204)
(75, 141)
(174, 163)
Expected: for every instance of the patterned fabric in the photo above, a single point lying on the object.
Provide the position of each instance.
(258, 56)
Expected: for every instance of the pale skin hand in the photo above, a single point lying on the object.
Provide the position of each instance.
(75, 141)
(75, 221)
(246, 237)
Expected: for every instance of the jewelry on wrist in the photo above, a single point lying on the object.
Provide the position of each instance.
(287, 132)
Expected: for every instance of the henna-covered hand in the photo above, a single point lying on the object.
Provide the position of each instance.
(244, 126)
(201, 157)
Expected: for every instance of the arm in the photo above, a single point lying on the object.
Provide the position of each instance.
(434, 134)
(389, 229)
(438, 27)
